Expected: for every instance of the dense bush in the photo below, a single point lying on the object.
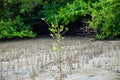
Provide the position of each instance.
(105, 15)
(66, 11)
(18, 17)
(12, 24)
(14, 28)
(106, 18)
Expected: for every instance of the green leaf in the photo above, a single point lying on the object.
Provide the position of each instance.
(52, 30)
(22, 10)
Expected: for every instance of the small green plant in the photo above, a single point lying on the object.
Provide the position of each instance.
(56, 32)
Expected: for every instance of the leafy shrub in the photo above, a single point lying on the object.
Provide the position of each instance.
(17, 17)
(72, 11)
(106, 18)
(11, 23)
(14, 28)
(66, 11)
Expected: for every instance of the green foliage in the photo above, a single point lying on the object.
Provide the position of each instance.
(59, 15)
(14, 28)
(106, 18)
(73, 10)
(11, 23)
(66, 11)
(28, 5)
(17, 17)
(50, 10)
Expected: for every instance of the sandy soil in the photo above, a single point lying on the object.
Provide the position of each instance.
(78, 59)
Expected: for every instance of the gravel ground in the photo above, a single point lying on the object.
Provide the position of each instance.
(79, 58)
